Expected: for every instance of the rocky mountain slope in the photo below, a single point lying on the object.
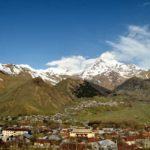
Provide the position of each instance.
(135, 88)
(109, 73)
(77, 88)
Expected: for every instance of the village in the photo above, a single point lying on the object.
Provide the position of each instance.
(40, 132)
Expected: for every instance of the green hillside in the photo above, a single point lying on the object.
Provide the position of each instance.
(30, 96)
(132, 113)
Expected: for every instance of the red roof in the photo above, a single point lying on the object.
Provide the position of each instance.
(124, 146)
(17, 129)
(73, 146)
(93, 140)
(133, 138)
(146, 134)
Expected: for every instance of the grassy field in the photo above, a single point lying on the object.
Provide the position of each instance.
(137, 112)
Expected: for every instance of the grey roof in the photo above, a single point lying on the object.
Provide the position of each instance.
(54, 137)
(27, 135)
(106, 142)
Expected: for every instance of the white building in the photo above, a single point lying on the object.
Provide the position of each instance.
(14, 132)
(82, 132)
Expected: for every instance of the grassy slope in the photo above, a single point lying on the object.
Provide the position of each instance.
(30, 97)
(139, 112)
(135, 111)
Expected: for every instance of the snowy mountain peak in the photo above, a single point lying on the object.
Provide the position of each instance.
(107, 63)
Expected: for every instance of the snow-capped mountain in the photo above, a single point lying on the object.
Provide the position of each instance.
(106, 64)
(108, 72)
(105, 71)
(15, 70)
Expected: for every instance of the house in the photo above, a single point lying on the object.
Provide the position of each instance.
(64, 130)
(69, 145)
(108, 130)
(94, 146)
(101, 132)
(82, 132)
(65, 133)
(55, 138)
(146, 134)
(131, 140)
(27, 137)
(124, 146)
(42, 143)
(14, 131)
(146, 143)
(108, 145)
(140, 141)
(133, 133)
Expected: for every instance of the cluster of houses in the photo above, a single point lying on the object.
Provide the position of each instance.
(75, 138)
(93, 104)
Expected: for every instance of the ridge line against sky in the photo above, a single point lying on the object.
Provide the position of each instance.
(35, 32)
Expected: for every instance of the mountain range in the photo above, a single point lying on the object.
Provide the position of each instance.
(105, 71)
(24, 90)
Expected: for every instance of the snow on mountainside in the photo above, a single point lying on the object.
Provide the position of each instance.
(108, 72)
(106, 63)
(15, 70)
(105, 71)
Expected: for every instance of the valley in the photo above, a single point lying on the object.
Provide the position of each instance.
(25, 91)
(75, 112)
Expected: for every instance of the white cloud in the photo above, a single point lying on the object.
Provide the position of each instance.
(133, 47)
(70, 65)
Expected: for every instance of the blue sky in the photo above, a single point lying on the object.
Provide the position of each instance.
(36, 32)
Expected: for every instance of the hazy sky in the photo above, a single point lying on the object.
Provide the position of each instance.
(36, 32)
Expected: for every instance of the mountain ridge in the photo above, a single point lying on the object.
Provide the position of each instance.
(105, 71)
